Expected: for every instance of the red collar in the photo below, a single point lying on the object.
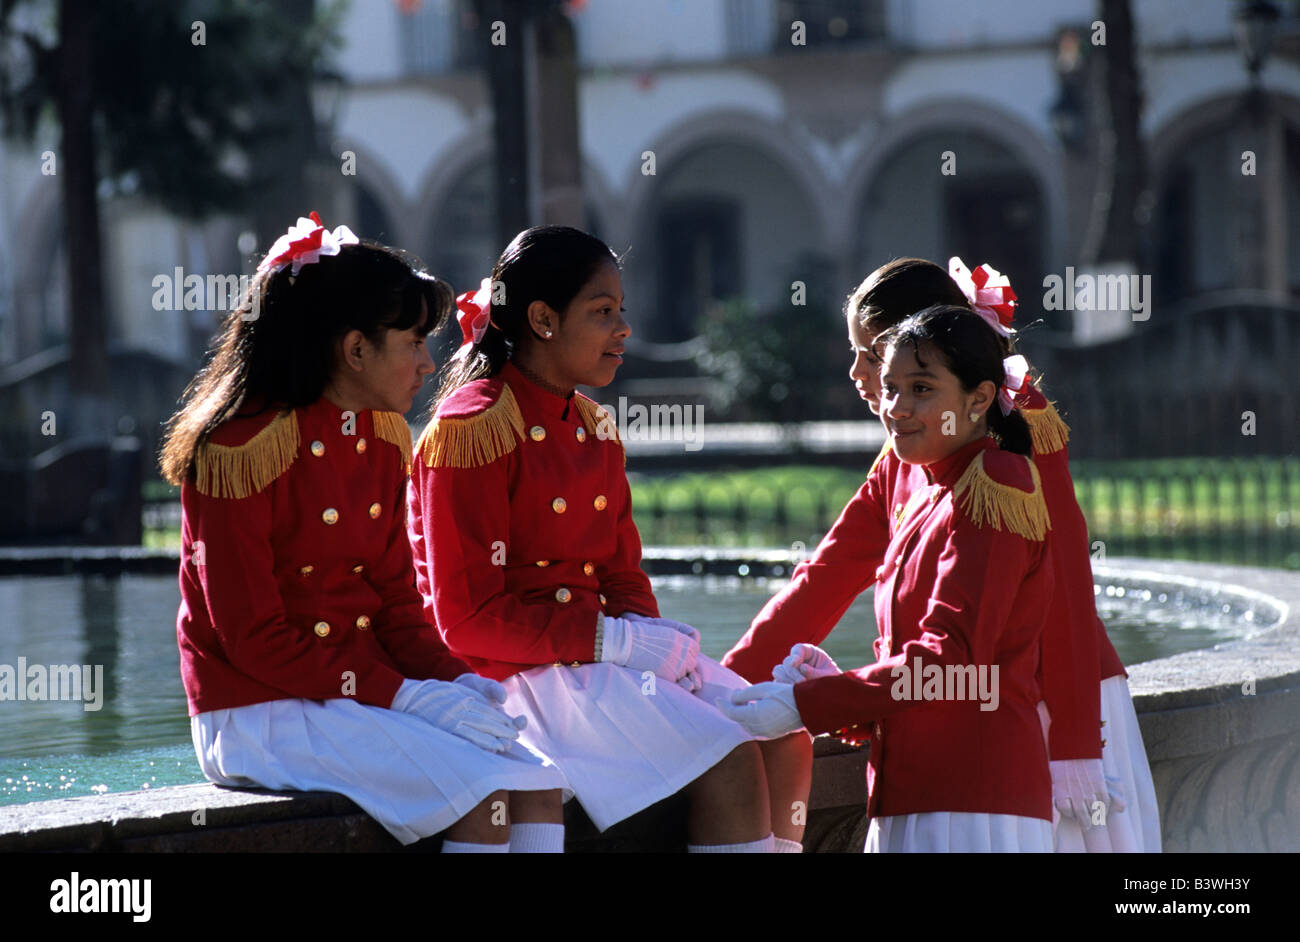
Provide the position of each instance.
(524, 388)
(945, 471)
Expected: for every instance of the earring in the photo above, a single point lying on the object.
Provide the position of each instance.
(547, 335)
(974, 416)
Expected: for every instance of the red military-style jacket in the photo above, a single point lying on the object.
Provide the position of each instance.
(520, 521)
(1077, 597)
(965, 581)
(296, 577)
(1075, 643)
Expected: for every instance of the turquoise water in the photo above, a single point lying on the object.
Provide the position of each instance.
(140, 738)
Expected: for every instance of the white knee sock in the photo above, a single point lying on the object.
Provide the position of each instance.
(536, 837)
(784, 846)
(457, 847)
(763, 846)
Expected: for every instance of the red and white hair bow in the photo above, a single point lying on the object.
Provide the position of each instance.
(1016, 369)
(305, 243)
(989, 293)
(474, 315)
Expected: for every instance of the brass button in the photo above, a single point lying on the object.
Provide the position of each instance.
(306, 570)
(557, 664)
(562, 594)
(358, 567)
(363, 622)
(318, 449)
(537, 433)
(375, 510)
(322, 629)
(581, 433)
(361, 446)
(588, 569)
(600, 503)
(602, 600)
(576, 664)
(543, 563)
(558, 505)
(330, 516)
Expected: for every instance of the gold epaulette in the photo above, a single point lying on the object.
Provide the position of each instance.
(243, 470)
(987, 501)
(473, 440)
(392, 428)
(884, 450)
(598, 421)
(1047, 428)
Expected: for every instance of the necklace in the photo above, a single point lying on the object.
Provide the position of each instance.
(549, 387)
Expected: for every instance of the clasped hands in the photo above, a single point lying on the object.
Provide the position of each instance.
(469, 707)
(769, 709)
(670, 649)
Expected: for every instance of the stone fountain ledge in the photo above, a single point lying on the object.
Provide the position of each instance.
(1225, 757)
(1221, 725)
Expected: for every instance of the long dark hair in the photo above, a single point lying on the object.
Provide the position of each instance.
(276, 348)
(544, 263)
(973, 352)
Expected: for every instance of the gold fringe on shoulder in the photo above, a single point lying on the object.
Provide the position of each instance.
(392, 428)
(884, 450)
(598, 421)
(986, 501)
(243, 470)
(1047, 428)
(475, 439)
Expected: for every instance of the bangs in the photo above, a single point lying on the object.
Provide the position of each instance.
(424, 303)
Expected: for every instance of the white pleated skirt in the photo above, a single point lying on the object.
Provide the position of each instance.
(407, 774)
(625, 739)
(958, 832)
(1136, 829)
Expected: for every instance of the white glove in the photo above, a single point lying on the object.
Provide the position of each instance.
(691, 681)
(805, 662)
(644, 646)
(678, 626)
(487, 688)
(456, 709)
(764, 709)
(1077, 785)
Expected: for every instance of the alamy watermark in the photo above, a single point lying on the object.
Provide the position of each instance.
(181, 292)
(1098, 291)
(946, 682)
(655, 423)
(54, 682)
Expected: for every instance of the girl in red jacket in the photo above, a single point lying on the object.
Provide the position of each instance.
(305, 655)
(958, 761)
(529, 562)
(1077, 654)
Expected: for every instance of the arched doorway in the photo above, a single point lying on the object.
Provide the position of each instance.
(987, 207)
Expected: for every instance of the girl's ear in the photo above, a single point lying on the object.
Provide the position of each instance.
(542, 319)
(350, 350)
(983, 396)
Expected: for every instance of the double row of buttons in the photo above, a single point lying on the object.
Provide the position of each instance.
(322, 628)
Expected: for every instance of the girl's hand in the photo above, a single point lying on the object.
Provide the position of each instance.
(764, 709)
(691, 682)
(491, 691)
(1077, 786)
(679, 626)
(647, 646)
(460, 711)
(805, 662)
